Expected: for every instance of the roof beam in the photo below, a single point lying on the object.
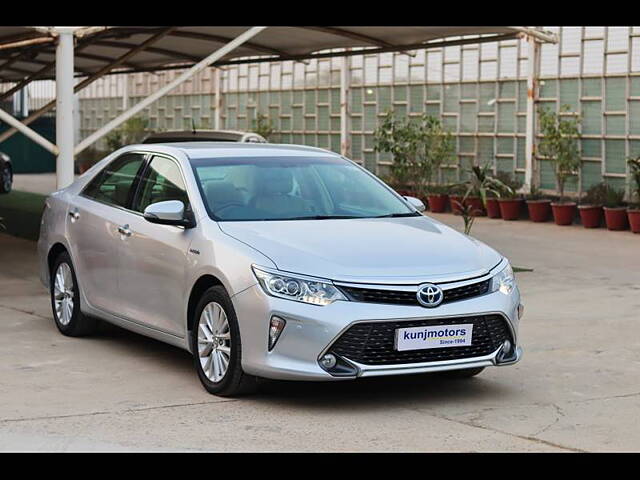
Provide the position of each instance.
(161, 51)
(376, 42)
(222, 39)
(201, 65)
(346, 53)
(100, 73)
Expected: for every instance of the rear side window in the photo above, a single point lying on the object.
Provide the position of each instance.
(113, 184)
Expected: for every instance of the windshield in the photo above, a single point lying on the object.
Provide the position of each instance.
(292, 188)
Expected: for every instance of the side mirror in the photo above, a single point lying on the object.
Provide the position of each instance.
(170, 212)
(416, 203)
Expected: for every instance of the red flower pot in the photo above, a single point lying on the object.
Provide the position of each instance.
(539, 210)
(454, 202)
(493, 208)
(510, 208)
(634, 220)
(404, 193)
(590, 215)
(616, 218)
(477, 208)
(563, 213)
(438, 203)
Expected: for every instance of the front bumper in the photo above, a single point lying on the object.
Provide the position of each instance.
(312, 329)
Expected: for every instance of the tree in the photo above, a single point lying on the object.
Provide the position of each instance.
(418, 148)
(263, 126)
(130, 132)
(560, 144)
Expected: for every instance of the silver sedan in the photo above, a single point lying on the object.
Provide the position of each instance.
(273, 261)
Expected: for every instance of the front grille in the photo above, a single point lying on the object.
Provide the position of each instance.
(399, 297)
(372, 343)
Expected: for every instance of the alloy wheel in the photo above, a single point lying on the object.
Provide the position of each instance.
(63, 294)
(6, 179)
(214, 342)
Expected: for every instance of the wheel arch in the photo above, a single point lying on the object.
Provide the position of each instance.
(201, 285)
(55, 250)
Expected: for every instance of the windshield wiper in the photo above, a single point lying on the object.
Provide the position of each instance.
(397, 215)
(319, 217)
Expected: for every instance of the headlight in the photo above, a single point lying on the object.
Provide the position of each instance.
(504, 281)
(298, 288)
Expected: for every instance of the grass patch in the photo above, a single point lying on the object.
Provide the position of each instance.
(521, 269)
(21, 213)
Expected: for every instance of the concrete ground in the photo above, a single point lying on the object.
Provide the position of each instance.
(577, 387)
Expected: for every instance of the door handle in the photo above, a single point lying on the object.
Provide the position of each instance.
(124, 230)
(74, 214)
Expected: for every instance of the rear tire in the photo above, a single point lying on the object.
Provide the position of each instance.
(65, 299)
(462, 373)
(217, 347)
(6, 178)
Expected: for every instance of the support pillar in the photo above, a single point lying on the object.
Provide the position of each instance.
(345, 114)
(532, 97)
(64, 107)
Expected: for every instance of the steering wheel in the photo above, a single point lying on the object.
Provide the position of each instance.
(227, 205)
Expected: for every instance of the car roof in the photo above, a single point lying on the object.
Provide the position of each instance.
(196, 150)
(199, 135)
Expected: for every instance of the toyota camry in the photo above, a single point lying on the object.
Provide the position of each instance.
(273, 261)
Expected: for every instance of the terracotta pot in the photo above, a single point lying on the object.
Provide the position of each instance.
(616, 218)
(510, 208)
(477, 208)
(634, 219)
(590, 215)
(404, 193)
(493, 208)
(438, 203)
(563, 213)
(454, 203)
(539, 210)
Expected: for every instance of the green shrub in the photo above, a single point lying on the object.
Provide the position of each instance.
(596, 195)
(634, 168)
(560, 144)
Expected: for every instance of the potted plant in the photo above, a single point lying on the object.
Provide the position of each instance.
(478, 187)
(590, 207)
(615, 211)
(456, 192)
(493, 207)
(398, 138)
(438, 197)
(560, 145)
(633, 212)
(418, 148)
(510, 202)
(538, 205)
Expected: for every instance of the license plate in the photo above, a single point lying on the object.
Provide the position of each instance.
(436, 336)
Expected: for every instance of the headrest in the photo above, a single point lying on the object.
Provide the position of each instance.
(275, 181)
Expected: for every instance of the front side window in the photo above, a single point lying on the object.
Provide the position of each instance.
(161, 181)
(113, 184)
(292, 188)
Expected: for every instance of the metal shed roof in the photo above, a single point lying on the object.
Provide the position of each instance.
(25, 51)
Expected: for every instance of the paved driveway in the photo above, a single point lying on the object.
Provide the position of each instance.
(577, 387)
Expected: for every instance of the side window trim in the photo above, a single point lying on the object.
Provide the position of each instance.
(134, 185)
(146, 168)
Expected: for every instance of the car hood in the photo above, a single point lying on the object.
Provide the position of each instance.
(378, 250)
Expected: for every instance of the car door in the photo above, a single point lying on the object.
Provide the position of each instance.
(93, 222)
(153, 258)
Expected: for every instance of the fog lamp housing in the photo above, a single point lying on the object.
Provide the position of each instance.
(276, 326)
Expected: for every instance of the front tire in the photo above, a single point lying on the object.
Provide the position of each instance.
(65, 299)
(217, 347)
